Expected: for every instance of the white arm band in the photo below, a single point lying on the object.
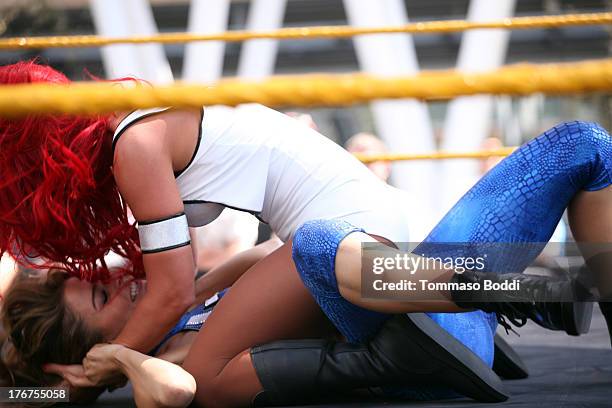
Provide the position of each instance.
(164, 235)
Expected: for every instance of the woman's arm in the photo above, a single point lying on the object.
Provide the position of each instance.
(156, 383)
(143, 169)
(224, 275)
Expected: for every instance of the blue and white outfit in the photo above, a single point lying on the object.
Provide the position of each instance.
(192, 320)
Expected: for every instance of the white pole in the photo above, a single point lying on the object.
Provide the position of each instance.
(469, 119)
(116, 18)
(404, 125)
(258, 57)
(204, 60)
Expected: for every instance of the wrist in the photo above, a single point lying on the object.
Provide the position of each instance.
(120, 355)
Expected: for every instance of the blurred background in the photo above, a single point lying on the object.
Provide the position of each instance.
(400, 126)
(404, 126)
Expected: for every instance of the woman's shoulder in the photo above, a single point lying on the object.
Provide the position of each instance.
(151, 131)
(131, 122)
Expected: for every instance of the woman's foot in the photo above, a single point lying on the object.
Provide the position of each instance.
(557, 305)
(572, 317)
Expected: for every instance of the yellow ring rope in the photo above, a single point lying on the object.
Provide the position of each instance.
(441, 155)
(307, 90)
(448, 26)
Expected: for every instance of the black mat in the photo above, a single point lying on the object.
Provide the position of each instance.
(564, 372)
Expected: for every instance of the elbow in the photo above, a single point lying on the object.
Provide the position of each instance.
(178, 394)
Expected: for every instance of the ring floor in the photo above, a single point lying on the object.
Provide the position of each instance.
(565, 371)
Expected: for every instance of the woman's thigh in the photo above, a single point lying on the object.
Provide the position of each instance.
(269, 302)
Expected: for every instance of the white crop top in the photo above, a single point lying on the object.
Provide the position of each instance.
(254, 159)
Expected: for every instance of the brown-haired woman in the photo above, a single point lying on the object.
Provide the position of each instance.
(57, 319)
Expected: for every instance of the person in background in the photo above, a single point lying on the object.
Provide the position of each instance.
(367, 143)
(304, 118)
(231, 233)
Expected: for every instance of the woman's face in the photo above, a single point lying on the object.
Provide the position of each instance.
(106, 307)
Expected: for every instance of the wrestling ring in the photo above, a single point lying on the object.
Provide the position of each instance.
(584, 374)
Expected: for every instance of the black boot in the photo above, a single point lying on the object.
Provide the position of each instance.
(506, 362)
(554, 304)
(572, 317)
(408, 350)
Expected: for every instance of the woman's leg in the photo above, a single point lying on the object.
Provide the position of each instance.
(544, 171)
(596, 241)
(590, 216)
(269, 302)
(227, 367)
(519, 201)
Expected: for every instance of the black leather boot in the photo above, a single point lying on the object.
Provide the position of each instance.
(554, 304)
(506, 362)
(408, 350)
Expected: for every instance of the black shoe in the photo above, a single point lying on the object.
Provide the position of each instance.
(554, 304)
(572, 317)
(409, 349)
(506, 362)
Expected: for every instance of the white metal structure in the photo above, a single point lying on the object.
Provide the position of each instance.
(468, 120)
(258, 57)
(118, 18)
(203, 61)
(404, 125)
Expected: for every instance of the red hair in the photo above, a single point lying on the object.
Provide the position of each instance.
(58, 197)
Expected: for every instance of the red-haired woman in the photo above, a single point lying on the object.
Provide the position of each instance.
(65, 182)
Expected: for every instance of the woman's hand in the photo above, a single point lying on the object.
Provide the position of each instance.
(82, 390)
(101, 365)
(100, 368)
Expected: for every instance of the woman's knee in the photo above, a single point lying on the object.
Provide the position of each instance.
(584, 149)
(315, 245)
(588, 136)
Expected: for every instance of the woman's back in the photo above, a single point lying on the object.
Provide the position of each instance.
(258, 160)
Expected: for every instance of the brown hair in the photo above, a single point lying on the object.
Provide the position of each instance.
(39, 328)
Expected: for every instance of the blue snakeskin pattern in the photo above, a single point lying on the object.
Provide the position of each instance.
(522, 199)
(314, 253)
